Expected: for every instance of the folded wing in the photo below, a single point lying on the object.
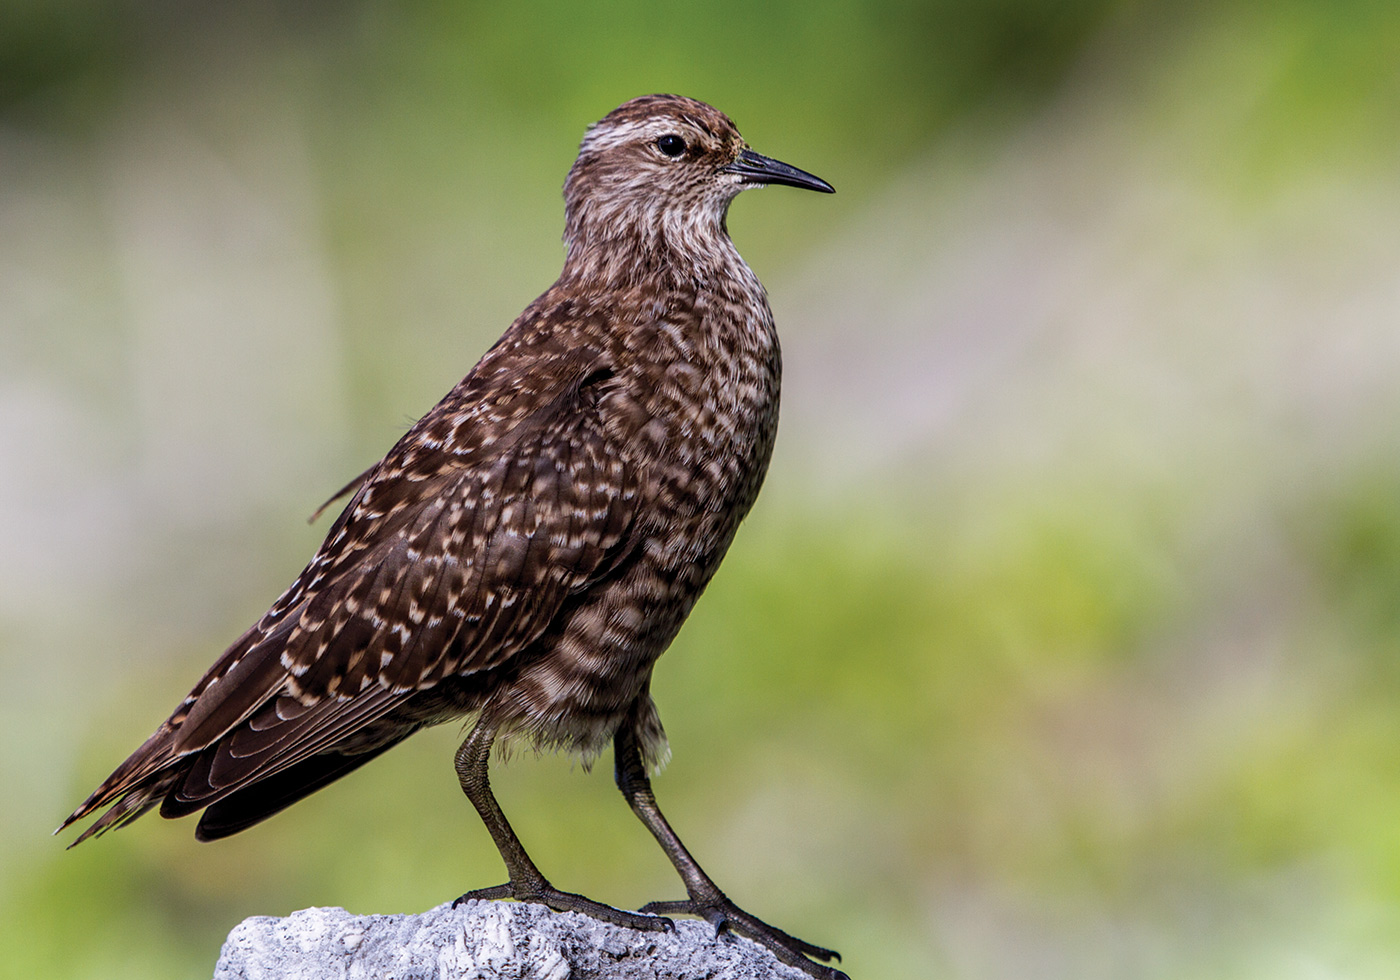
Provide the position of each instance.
(455, 554)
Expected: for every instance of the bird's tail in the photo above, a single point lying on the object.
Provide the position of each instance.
(136, 785)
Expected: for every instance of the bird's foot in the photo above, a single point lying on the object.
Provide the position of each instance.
(544, 893)
(725, 916)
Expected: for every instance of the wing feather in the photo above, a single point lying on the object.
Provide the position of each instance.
(455, 553)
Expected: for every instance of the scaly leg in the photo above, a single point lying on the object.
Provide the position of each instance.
(526, 883)
(706, 900)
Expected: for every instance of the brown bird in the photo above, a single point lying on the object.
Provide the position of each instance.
(532, 545)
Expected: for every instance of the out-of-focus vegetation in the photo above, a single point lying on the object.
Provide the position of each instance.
(1065, 639)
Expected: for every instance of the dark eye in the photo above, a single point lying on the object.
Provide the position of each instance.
(671, 145)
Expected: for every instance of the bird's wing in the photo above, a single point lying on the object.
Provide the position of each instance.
(455, 553)
(343, 492)
(444, 567)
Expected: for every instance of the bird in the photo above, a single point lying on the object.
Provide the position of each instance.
(526, 551)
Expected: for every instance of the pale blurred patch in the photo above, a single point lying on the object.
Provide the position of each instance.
(172, 368)
(236, 361)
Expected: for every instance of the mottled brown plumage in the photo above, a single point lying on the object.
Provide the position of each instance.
(531, 546)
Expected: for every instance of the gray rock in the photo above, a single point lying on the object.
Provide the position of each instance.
(483, 940)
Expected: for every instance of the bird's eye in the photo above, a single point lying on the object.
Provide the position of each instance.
(671, 145)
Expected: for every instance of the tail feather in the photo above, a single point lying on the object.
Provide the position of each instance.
(133, 781)
(282, 753)
(229, 691)
(278, 740)
(262, 799)
(137, 801)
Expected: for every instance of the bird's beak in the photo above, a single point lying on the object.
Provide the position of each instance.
(755, 168)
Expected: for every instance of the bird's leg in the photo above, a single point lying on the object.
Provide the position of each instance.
(526, 883)
(706, 900)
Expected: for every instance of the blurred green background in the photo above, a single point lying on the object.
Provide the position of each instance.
(1065, 639)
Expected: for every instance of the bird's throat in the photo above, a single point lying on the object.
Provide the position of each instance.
(672, 246)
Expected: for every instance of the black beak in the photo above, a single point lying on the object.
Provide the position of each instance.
(756, 168)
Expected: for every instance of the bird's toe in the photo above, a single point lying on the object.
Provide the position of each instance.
(725, 916)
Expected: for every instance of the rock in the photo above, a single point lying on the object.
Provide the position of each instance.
(484, 940)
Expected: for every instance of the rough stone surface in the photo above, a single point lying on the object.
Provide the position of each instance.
(483, 940)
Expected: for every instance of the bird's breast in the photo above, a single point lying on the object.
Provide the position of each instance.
(692, 406)
(698, 416)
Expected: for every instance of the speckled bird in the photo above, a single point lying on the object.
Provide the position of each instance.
(526, 552)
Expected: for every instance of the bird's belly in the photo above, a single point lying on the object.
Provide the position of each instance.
(594, 663)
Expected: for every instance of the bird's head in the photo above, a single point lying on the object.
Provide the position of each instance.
(656, 175)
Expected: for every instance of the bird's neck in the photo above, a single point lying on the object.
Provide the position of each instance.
(621, 249)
